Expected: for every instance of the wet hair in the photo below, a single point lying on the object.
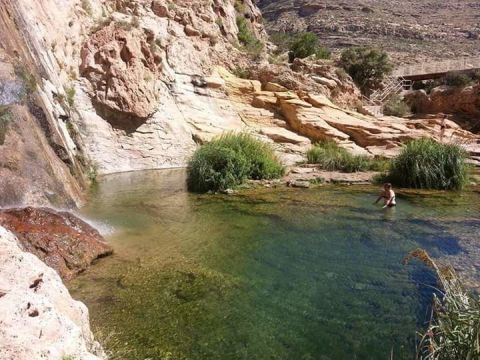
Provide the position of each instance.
(387, 185)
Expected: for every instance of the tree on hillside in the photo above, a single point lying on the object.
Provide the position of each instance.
(366, 66)
(307, 44)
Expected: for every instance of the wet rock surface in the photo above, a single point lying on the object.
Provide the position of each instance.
(63, 241)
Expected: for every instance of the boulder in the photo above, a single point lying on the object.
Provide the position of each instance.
(60, 239)
(160, 8)
(270, 86)
(38, 317)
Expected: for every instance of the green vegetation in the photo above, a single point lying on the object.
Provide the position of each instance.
(366, 66)
(229, 160)
(307, 44)
(302, 44)
(427, 164)
(5, 119)
(457, 79)
(454, 329)
(242, 73)
(329, 156)
(247, 37)
(70, 92)
(28, 79)
(239, 6)
(395, 106)
(454, 79)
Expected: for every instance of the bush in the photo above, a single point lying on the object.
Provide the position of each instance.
(241, 73)
(28, 79)
(395, 106)
(457, 79)
(427, 164)
(307, 44)
(5, 119)
(366, 66)
(247, 38)
(229, 160)
(329, 156)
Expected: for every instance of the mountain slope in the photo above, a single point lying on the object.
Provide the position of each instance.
(423, 28)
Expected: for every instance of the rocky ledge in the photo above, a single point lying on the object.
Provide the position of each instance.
(35, 304)
(60, 239)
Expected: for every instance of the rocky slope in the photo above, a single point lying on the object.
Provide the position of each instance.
(413, 30)
(35, 303)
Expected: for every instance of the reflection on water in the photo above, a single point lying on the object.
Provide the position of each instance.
(269, 274)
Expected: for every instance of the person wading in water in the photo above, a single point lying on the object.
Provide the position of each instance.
(388, 196)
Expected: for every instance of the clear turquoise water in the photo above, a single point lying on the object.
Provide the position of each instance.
(268, 274)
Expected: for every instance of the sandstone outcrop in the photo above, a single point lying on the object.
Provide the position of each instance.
(38, 317)
(60, 239)
(447, 100)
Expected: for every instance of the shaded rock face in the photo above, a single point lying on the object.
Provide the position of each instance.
(38, 317)
(448, 100)
(60, 239)
(122, 71)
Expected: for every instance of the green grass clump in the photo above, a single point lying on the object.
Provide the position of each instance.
(329, 156)
(229, 160)
(427, 164)
(396, 106)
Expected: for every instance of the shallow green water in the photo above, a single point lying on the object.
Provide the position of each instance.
(271, 274)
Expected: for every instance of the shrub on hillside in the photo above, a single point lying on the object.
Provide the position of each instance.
(427, 164)
(366, 66)
(229, 160)
(395, 106)
(247, 37)
(329, 156)
(307, 44)
(457, 79)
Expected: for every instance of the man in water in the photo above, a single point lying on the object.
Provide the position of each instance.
(388, 196)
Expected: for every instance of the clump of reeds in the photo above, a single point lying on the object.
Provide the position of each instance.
(454, 328)
(427, 164)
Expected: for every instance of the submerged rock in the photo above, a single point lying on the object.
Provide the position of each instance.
(60, 239)
(38, 317)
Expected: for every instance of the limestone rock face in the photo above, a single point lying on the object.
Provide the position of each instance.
(60, 239)
(122, 70)
(38, 317)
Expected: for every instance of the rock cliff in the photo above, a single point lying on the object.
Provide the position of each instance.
(138, 85)
(35, 303)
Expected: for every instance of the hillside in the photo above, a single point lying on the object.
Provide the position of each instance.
(424, 28)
